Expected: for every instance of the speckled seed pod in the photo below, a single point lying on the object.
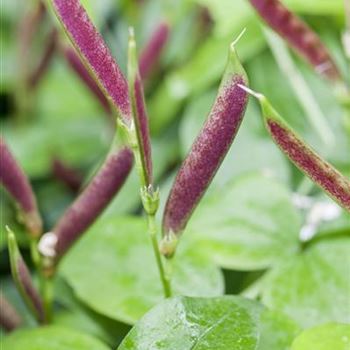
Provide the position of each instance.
(78, 67)
(208, 150)
(139, 113)
(92, 201)
(9, 318)
(305, 158)
(95, 54)
(17, 184)
(151, 52)
(23, 280)
(299, 35)
(45, 60)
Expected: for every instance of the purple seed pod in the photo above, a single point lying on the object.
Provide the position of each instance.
(17, 184)
(95, 54)
(45, 61)
(208, 150)
(139, 112)
(23, 279)
(9, 318)
(89, 205)
(299, 36)
(78, 67)
(151, 52)
(67, 175)
(305, 158)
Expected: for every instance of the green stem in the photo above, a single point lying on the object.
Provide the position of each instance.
(165, 279)
(34, 253)
(46, 287)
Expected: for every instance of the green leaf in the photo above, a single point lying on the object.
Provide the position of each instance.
(76, 142)
(51, 338)
(313, 287)
(251, 138)
(249, 224)
(333, 336)
(276, 331)
(117, 253)
(76, 315)
(223, 323)
(62, 96)
(196, 323)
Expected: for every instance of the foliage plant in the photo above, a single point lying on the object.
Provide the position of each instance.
(231, 232)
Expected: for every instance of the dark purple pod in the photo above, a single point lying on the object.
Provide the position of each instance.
(78, 67)
(304, 157)
(17, 184)
(23, 280)
(9, 318)
(299, 35)
(45, 60)
(139, 113)
(89, 205)
(151, 52)
(208, 150)
(95, 54)
(67, 175)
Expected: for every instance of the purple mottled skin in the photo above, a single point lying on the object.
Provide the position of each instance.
(142, 128)
(151, 52)
(95, 53)
(67, 175)
(17, 184)
(298, 34)
(206, 155)
(45, 61)
(75, 62)
(93, 200)
(321, 172)
(9, 318)
(25, 280)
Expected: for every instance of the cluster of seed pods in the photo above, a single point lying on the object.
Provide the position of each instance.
(299, 35)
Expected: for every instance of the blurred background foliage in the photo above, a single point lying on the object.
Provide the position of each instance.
(249, 201)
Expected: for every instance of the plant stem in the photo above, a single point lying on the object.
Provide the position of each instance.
(34, 253)
(152, 228)
(46, 289)
(46, 284)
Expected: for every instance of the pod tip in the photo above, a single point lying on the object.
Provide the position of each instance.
(234, 42)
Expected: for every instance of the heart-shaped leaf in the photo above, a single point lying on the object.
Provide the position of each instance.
(113, 270)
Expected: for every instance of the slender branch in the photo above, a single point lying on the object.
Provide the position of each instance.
(165, 278)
